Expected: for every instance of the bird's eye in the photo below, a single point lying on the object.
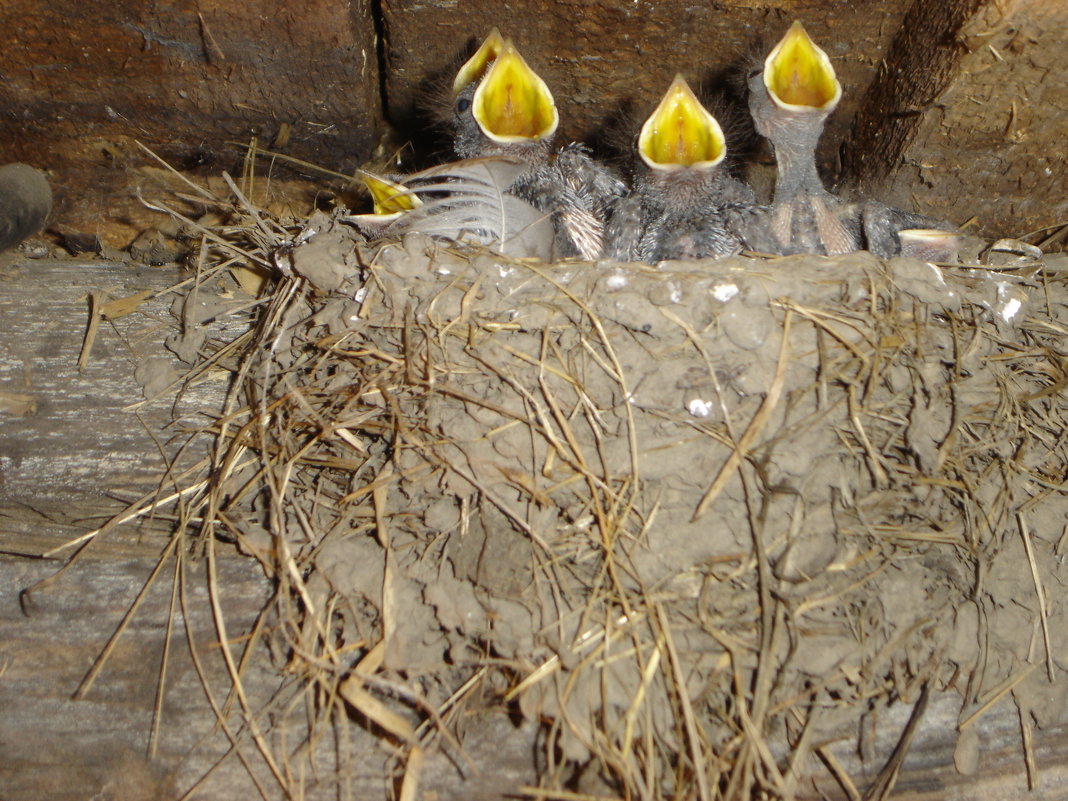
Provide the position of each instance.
(463, 104)
(754, 73)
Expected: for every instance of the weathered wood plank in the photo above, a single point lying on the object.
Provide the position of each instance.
(78, 438)
(83, 82)
(188, 75)
(992, 145)
(52, 746)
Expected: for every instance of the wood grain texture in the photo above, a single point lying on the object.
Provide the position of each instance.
(53, 746)
(80, 438)
(83, 81)
(992, 146)
(917, 68)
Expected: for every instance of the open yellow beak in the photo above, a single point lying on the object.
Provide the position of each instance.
(799, 75)
(681, 132)
(512, 103)
(475, 67)
(389, 197)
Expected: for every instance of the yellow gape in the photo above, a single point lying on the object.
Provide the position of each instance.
(512, 103)
(797, 73)
(475, 67)
(681, 132)
(389, 197)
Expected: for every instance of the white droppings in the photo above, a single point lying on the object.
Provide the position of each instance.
(676, 293)
(1016, 248)
(1008, 311)
(1009, 301)
(617, 281)
(699, 407)
(360, 294)
(724, 292)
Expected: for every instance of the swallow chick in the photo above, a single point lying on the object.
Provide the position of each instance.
(502, 108)
(791, 95)
(467, 202)
(467, 137)
(684, 204)
(886, 232)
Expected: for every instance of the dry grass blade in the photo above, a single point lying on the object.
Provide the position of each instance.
(102, 658)
(753, 430)
(887, 778)
(161, 683)
(352, 690)
(839, 773)
(1040, 593)
(693, 737)
(235, 675)
(1027, 741)
(995, 695)
(544, 794)
(413, 770)
(91, 328)
(220, 717)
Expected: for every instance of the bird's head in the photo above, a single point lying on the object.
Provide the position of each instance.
(513, 107)
(681, 133)
(796, 79)
(683, 149)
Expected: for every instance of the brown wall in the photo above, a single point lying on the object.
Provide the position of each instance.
(186, 77)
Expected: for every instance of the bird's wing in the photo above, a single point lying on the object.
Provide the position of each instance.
(469, 201)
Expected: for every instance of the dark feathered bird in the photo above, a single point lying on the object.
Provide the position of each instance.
(684, 204)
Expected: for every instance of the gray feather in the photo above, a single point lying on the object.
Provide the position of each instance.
(469, 202)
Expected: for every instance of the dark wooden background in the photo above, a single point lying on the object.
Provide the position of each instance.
(955, 108)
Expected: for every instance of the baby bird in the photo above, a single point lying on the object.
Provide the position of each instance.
(503, 108)
(684, 205)
(790, 97)
(463, 201)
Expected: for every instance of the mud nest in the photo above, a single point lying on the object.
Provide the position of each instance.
(693, 523)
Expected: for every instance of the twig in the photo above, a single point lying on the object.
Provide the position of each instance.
(1039, 591)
